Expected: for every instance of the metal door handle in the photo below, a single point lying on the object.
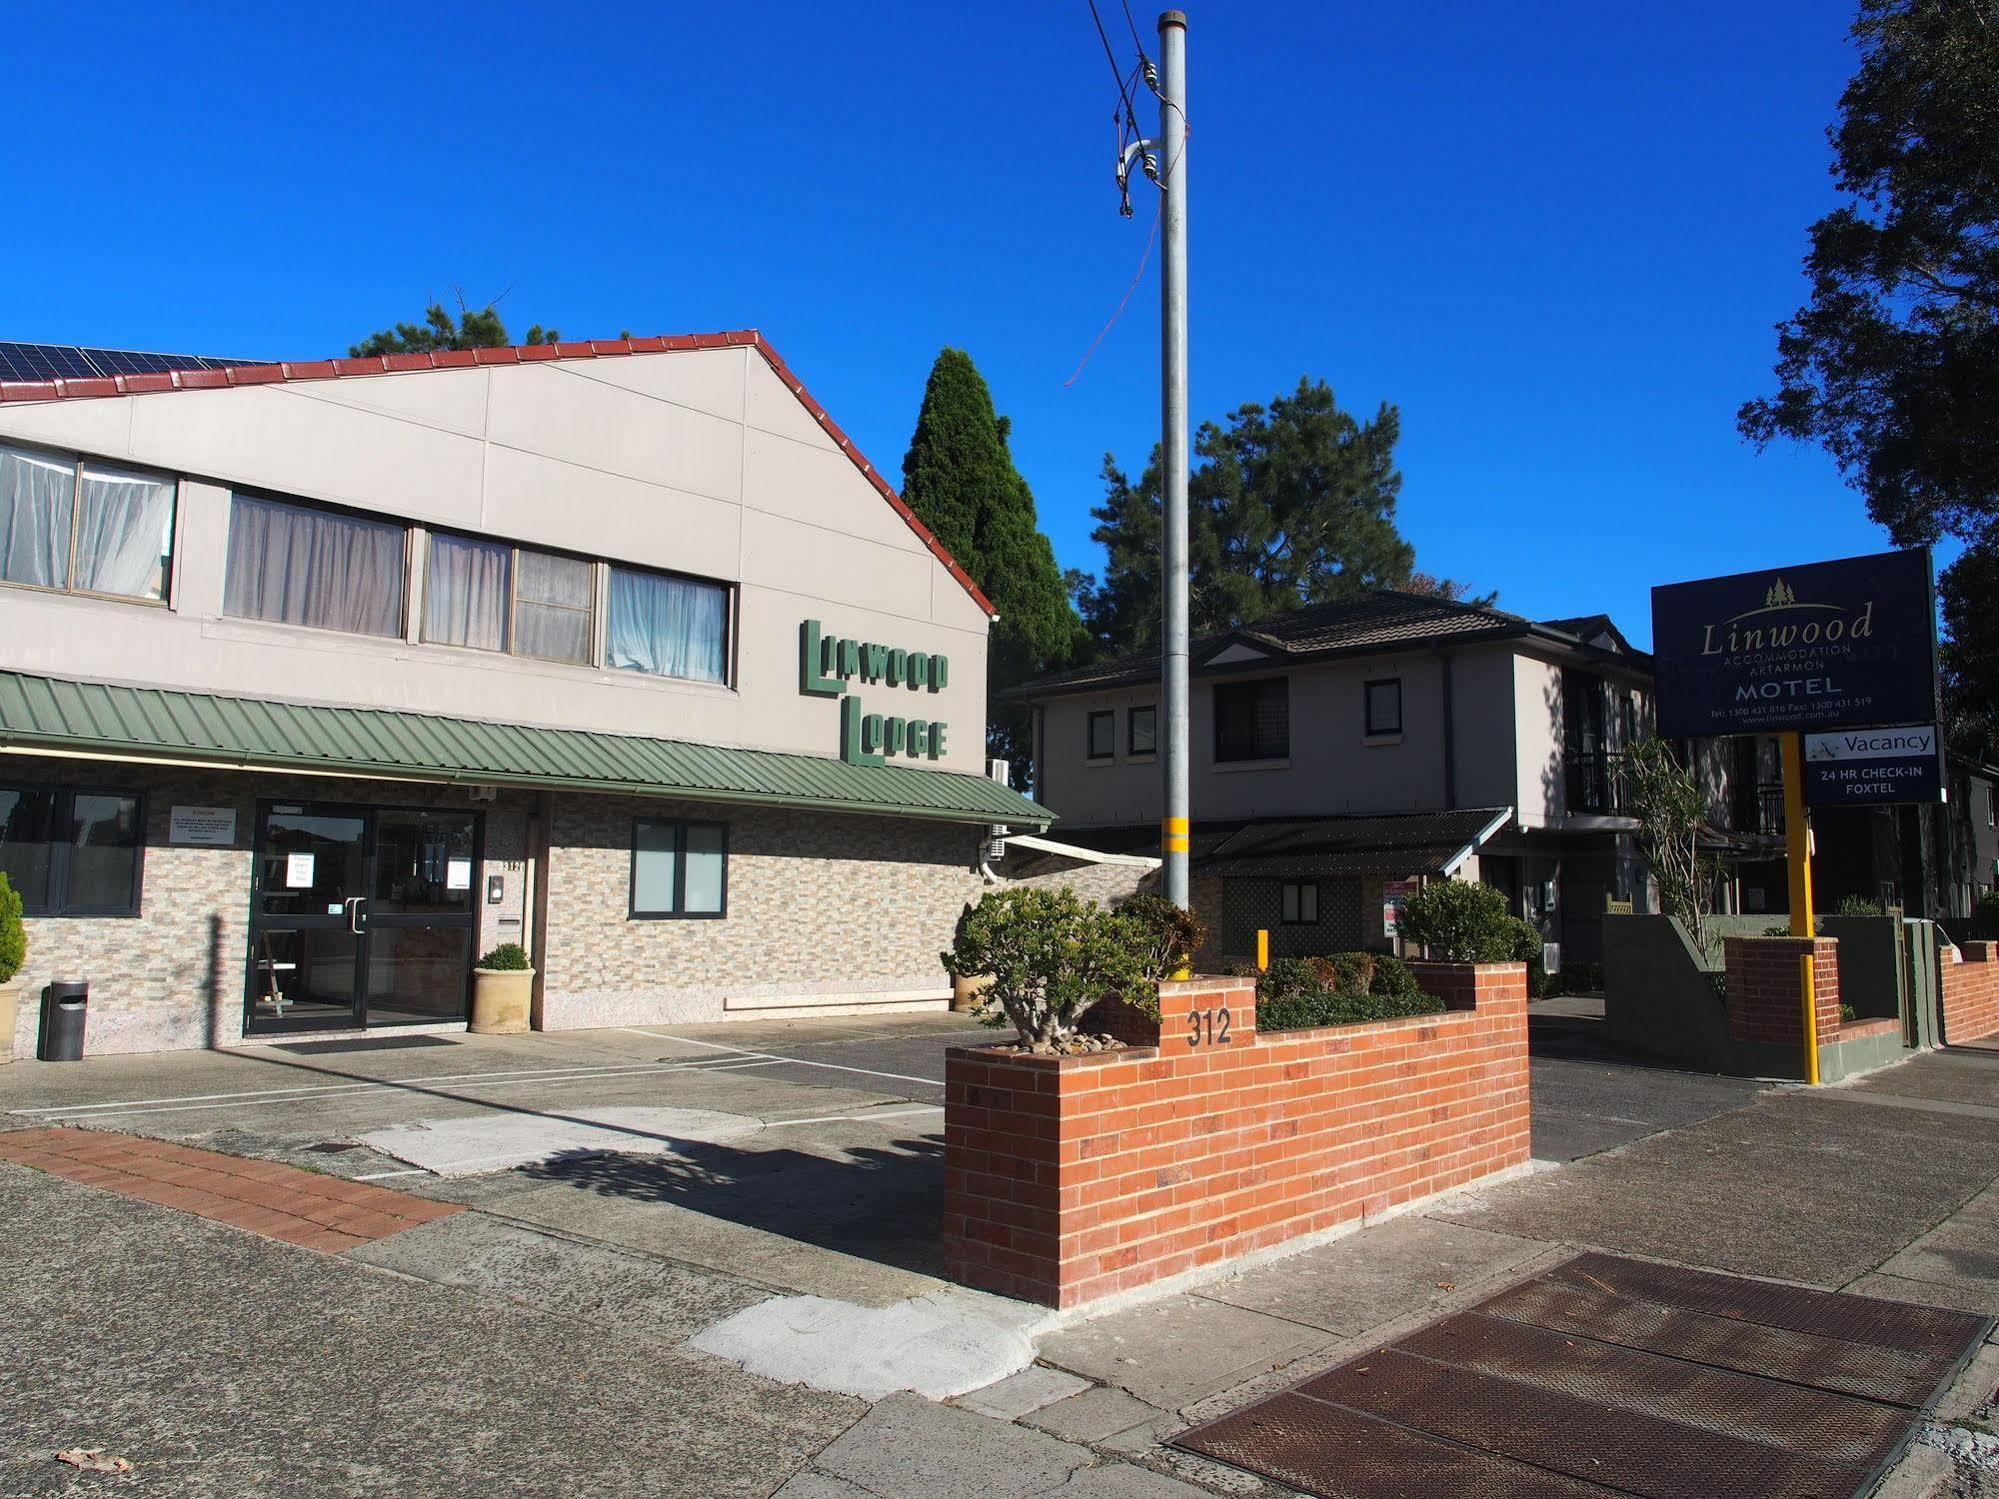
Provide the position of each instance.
(353, 904)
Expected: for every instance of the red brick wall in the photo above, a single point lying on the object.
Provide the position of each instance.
(1072, 1178)
(1971, 993)
(1764, 1002)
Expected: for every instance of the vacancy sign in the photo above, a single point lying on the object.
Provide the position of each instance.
(1866, 767)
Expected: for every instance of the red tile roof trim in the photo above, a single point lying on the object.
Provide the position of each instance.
(20, 391)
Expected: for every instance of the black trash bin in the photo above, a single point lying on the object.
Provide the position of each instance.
(62, 1020)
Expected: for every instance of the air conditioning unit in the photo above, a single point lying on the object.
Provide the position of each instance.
(999, 769)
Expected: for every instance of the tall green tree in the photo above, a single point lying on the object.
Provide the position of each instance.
(473, 328)
(1892, 366)
(959, 478)
(1287, 505)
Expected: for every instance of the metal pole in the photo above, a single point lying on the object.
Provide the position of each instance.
(1173, 444)
(1798, 853)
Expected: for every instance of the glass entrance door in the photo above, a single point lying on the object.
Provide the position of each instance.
(360, 916)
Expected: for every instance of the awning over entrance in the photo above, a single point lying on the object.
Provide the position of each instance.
(50, 715)
(1413, 843)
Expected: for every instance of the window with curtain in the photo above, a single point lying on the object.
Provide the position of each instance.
(668, 626)
(72, 853)
(679, 869)
(1253, 719)
(296, 565)
(496, 597)
(84, 526)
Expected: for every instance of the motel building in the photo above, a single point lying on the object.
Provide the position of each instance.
(318, 681)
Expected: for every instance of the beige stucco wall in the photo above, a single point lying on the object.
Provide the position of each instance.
(698, 461)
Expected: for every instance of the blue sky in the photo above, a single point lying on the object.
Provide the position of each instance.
(1555, 234)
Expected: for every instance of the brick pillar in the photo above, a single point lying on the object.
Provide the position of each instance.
(1764, 1002)
(1473, 986)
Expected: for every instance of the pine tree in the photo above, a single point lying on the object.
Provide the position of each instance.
(474, 328)
(959, 478)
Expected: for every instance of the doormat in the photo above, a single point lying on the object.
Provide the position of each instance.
(1614, 1376)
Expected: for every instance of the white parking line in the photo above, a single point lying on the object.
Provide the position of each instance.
(901, 1077)
(922, 1108)
(382, 1176)
(465, 1082)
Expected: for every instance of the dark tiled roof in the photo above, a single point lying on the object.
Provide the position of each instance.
(210, 374)
(1396, 845)
(1379, 620)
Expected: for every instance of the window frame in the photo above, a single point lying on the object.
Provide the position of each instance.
(68, 587)
(1151, 710)
(1372, 729)
(608, 570)
(1284, 901)
(63, 815)
(680, 825)
(1090, 721)
(591, 656)
(1255, 685)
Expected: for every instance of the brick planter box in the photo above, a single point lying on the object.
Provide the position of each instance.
(1971, 993)
(1070, 1179)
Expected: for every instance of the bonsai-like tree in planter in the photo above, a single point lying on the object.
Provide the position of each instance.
(13, 953)
(1050, 956)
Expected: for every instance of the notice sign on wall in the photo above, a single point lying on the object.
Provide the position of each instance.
(1863, 767)
(1829, 645)
(212, 825)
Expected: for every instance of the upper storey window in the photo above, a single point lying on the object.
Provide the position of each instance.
(82, 526)
(296, 565)
(668, 626)
(1253, 719)
(495, 597)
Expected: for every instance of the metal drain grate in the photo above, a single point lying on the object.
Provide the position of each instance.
(1615, 1376)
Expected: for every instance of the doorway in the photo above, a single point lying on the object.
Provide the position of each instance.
(360, 916)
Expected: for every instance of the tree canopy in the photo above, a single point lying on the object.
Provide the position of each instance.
(960, 479)
(473, 328)
(1287, 505)
(1892, 366)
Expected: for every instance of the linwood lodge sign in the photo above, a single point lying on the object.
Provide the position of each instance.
(1829, 645)
(829, 666)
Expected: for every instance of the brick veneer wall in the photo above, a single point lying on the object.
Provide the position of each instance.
(1764, 1002)
(1068, 1179)
(1971, 992)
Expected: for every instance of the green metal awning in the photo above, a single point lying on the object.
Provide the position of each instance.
(149, 723)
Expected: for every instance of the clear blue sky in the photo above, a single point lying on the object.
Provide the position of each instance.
(1555, 234)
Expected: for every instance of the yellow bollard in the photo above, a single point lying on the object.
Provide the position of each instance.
(1808, 986)
(1262, 950)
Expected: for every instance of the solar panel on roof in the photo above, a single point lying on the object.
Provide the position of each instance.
(20, 361)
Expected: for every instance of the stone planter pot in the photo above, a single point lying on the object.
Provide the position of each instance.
(501, 999)
(968, 994)
(10, 1006)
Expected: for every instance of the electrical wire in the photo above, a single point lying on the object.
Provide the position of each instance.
(1158, 212)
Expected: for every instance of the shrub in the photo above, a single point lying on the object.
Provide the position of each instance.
(1985, 917)
(1284, 978)
(1297, 1011)
(1169, 936)
(1577, 978)
(508, 957)
(1523, 945)
(1461, 922)
(1860, 905)
(1394, 978)
(13, 936)
(1050, 955)
(1353, 972)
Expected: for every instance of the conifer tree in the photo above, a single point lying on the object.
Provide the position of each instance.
(960, 480)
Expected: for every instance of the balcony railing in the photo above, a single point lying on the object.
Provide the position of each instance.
(1594, 784)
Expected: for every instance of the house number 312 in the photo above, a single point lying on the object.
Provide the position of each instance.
(1208, 1027)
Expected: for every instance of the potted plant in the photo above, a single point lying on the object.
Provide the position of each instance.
(13, 953)
(502, 991)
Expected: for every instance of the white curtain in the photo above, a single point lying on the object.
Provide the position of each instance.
(36, 494)
(466, 590)
(124, 535)
(299, 566)
(555, 599)
(671, 627)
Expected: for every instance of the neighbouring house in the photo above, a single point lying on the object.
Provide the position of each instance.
(1341, 749)
(319, 679)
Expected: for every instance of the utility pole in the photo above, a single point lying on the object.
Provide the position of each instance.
(1172, 146)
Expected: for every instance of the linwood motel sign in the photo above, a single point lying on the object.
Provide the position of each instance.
(1818, 648)
(829, 666)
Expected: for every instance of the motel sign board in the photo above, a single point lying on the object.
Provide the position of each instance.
(1830, 645)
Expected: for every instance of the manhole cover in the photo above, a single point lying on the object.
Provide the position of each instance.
(1608, 1375)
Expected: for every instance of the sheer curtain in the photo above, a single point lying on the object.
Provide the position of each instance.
(298, 566)
(556, 597)
(36, 495)
(125, 532)
(466, 590)
(671, 627)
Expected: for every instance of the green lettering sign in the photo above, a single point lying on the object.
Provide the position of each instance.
(853, 749)
(814, 657)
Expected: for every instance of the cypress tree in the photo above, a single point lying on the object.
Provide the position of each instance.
(959, 478)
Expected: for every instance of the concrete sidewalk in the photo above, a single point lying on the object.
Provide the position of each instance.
(543, 1342)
